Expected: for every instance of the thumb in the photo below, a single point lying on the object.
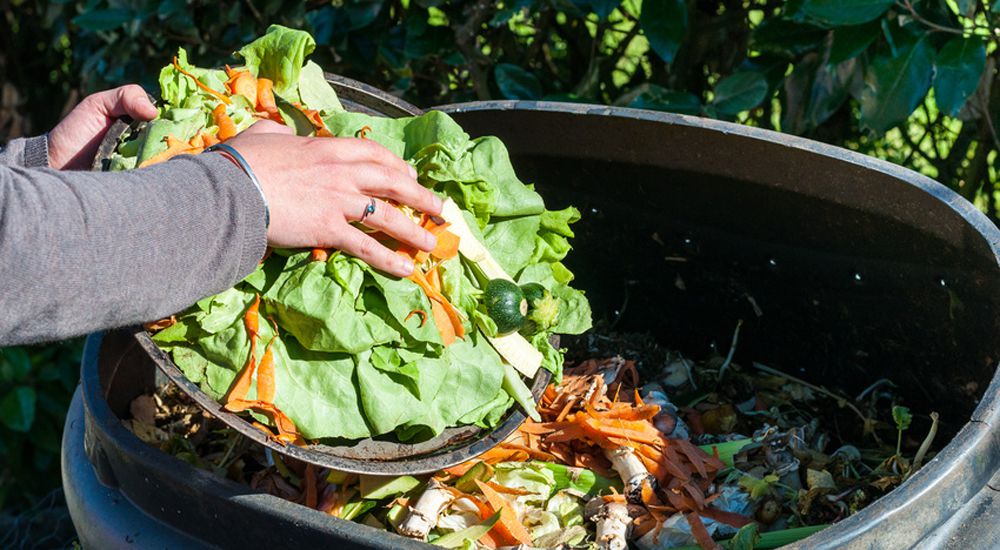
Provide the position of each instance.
(129, 100)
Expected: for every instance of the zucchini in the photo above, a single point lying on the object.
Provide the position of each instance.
(505, 304)
(543, 307)
(533, 292)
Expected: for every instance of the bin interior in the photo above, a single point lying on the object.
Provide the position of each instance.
(842, 272)
(842, 275)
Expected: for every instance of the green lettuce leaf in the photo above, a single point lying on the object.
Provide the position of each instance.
(451, 387)
(322, 309)
(511, 241)
(491, 161)
(316, 92)
(278, 55)
(176, 88)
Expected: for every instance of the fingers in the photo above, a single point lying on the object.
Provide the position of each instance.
(130, 100)
(357, 243)
(391, 221)
(381, 181)
(356, 150)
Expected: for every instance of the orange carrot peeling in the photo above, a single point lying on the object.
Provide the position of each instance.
(227, 128)
(198, 83)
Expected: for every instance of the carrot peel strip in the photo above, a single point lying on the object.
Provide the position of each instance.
(319, 255)
(198, 83)
(421, 313)
(265, 100)
(310, 483)
(241, 385)
(227, 128)
(509, 524)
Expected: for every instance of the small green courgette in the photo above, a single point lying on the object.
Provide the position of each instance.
(505, 304)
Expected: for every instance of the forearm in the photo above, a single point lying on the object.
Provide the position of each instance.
(84, 251)
(26, 152)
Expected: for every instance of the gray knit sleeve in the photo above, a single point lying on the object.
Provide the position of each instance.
(26, 152)
(85, 251)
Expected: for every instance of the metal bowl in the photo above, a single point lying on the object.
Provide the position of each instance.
(383, 455)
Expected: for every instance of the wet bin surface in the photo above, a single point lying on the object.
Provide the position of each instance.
(858, 269)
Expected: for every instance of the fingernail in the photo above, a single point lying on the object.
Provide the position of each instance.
(430, 242)
(405, 266)
(412, 170)
(438, 203)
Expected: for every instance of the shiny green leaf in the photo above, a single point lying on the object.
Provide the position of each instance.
(664, 22)
(787, 38)
(17, 408)
(844, 12)
(739, 92)
(850, 41)
(957, 69)
(658, 98)
(894, 86)
(517, 83)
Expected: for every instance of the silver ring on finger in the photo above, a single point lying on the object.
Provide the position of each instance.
(369, 210)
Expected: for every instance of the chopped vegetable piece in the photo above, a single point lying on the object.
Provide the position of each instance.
(423, 516)
(509, 526)
(472, 533)
(505, 304)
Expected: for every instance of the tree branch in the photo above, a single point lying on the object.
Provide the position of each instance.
(466, 39)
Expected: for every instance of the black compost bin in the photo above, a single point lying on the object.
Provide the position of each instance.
(843, 268)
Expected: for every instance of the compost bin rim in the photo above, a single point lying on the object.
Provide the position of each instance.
(112, 437)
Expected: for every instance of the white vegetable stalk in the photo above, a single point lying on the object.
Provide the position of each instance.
(514, 348)
(632, 471)
(423, 516)
(613, 526)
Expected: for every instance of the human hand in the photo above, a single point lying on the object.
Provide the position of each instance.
(74, 141)
(316, 186)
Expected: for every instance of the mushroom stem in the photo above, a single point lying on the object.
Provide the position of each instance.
(613, 525)
(632, 471)
(423, 516)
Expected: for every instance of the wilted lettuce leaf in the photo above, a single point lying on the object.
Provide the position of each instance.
(316, 92)
(278, 55)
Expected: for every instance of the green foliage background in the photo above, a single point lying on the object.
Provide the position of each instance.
(909, 81)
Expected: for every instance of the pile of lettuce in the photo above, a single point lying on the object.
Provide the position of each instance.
(348, 364)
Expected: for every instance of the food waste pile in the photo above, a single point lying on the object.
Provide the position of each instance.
(672, 453)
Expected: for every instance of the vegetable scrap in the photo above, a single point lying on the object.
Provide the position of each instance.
(340, 356)
(612, 461)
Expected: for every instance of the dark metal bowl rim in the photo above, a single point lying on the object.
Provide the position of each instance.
(369, 456)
